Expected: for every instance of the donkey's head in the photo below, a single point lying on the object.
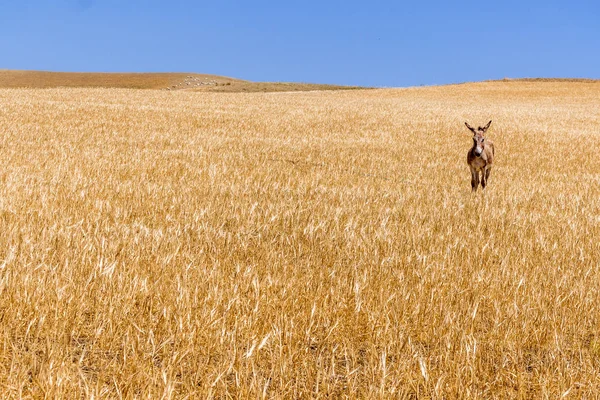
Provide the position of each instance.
(478, 138)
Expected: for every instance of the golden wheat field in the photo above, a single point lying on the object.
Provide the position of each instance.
(183, 245)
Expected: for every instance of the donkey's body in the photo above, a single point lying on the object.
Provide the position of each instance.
(481, 157)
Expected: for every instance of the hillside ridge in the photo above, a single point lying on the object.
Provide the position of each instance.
(150, 80)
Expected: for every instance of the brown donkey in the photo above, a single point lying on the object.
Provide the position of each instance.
(480, 157)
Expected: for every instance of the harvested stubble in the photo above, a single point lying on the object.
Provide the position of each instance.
(299, 245)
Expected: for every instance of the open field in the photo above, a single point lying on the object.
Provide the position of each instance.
(264, 87)
(166, 81)
(45, 80)
(164, 244)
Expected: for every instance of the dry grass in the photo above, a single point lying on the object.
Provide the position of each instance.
(265, 87)
(562, 80)
(299, 245)
(45, 80)
(11, 79)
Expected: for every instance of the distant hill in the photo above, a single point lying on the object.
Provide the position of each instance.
(583, 80)
(254, 87)
(164, 81)
(43, 79)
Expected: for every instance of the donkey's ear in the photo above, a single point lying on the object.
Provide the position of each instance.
(470, 127)
(485, 128)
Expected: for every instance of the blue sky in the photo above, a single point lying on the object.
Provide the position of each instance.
(374, 43)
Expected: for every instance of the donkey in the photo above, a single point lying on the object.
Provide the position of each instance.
(480, 157)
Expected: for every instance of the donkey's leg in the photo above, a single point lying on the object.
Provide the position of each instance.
(487, 173)
(484, 175)
(474, 179)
